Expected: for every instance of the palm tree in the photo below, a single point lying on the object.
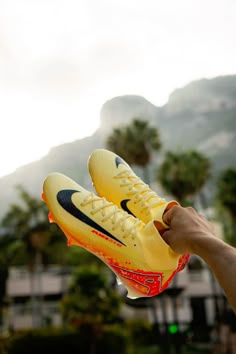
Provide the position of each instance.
(134, 143)
(28, 238)
(26, 226)
(183, 174)
(226, 195)
(8, 250)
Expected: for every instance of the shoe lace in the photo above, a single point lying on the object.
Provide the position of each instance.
(139, 190)
(121, 220)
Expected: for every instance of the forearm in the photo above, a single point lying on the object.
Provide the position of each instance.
(190, 232)
(221, 258)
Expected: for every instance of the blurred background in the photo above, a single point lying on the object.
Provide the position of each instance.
(157, 78)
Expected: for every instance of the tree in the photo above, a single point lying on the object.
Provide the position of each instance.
(27, 222)
(90, 303)
(7, 252)
(90, 298)
(183, 174)
(27, 231)
(134, 143)
(226, 196)
(28, 238)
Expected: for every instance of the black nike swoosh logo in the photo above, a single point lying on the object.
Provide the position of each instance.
(124, 206)
(119, 161)
(64, 198)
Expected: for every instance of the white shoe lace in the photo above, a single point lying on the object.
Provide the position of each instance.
(127, 224)
(139, 190)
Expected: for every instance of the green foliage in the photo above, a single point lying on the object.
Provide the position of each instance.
(147, 350)
(3, 279)
(226, 203)
(26, 234)
(27, 231)
(140, 332)
(26, 225)
(90, 299)
(226, 192)
(190, 349)
(113, 339)
(156, 350)
(183, 174)
(29, 213)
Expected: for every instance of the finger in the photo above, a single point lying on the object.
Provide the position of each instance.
(168, 214)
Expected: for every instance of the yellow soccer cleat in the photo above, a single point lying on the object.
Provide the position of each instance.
(114, 179)
(134, 251)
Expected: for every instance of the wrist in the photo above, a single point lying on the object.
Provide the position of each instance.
(207, 245)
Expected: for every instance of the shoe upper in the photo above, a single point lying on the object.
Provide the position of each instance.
(114, 179)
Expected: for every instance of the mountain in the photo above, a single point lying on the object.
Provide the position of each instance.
(201, 115)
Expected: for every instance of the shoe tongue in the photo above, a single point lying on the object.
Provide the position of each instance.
(157, 253)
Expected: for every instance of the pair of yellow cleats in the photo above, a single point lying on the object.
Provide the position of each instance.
(122, 225)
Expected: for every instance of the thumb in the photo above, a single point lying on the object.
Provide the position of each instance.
(167, 216)
(170, 213)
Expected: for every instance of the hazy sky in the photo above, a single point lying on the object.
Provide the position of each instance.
(60, 60)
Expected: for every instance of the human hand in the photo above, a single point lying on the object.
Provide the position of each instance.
(190, 232)
(187, 229)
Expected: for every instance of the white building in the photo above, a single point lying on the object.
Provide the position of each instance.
(34, 300)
